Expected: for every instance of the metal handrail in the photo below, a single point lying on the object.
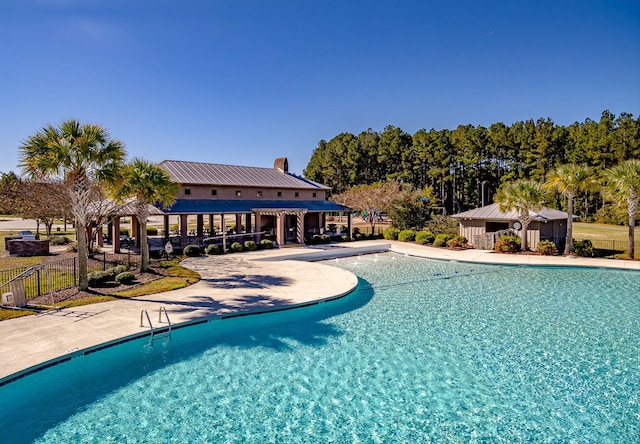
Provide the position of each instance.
(145, 312)
(160, 311)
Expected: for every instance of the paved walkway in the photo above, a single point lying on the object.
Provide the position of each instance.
(231, 284)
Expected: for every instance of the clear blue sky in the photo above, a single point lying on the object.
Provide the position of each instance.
(243, 82)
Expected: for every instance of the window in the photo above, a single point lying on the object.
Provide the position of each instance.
(297, 194)
(214, 192)
(314, 194)
(279, 193)
(238, 193)
(259, 193)
(187, 191)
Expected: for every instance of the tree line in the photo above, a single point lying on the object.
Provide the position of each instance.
(465, 167)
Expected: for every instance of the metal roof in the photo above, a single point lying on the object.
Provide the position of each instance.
(126, 208)
(492, 212)
(228, 206)
(199, 173)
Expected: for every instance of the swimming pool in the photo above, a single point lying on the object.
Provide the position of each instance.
(422, 351)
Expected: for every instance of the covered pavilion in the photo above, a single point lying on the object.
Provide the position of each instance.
(242, 203)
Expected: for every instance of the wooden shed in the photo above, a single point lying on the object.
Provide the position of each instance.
(482, 225)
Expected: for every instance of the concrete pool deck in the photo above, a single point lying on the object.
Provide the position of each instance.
(231, 285)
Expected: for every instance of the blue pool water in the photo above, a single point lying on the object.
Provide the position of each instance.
(422, 351)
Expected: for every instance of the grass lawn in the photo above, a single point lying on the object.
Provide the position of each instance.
(583, 230)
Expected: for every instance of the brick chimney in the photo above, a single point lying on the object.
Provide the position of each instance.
(281, 163)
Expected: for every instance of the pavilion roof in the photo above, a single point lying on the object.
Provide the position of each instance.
(200, 173)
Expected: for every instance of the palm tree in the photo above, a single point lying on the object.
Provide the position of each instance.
(80, 154)
(522, 196)
(568, 180)
(622, 182)
(147, 184)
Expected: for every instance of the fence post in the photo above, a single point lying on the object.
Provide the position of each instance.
(75, 274)
(39, 292)
(104, 261)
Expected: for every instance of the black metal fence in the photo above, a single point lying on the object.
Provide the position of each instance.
(60, 274)
(612, 248)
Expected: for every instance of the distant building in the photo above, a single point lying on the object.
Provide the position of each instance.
(481, 225)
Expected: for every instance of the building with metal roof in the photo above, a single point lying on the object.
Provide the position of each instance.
(263, 202)
(481, 226)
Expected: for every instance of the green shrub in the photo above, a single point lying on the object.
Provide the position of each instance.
(152, 231)
(192, 250)
(112, 272)
(325, 238)
(442, 239)
(345, 238)
(73, 246)
(250, 246)
(406, 236)
(583, 248)
(443, 224)
(391, 233)
(104, 276)
(125, 277)
(97, 278)
(457, 242)
(124, 231)
(425, 237)
(546, 248)
(266, 244)
(59, 240)
(508, 244)
(236, 247)
(212, 249)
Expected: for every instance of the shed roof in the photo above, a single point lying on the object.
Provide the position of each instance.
(200, 173)
(227, 206)
(492, 212)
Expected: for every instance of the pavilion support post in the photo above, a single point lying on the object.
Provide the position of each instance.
(258, 227)
(165, 226)
(99, 237)
(280, 229)
(247, 224)
(110, 230)
(183, 230)
(300, 228)
(135, 230)
(238, 223)
(115, 234)
(223, 228)
(211, 230)
(350, 225)
(199, 227)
